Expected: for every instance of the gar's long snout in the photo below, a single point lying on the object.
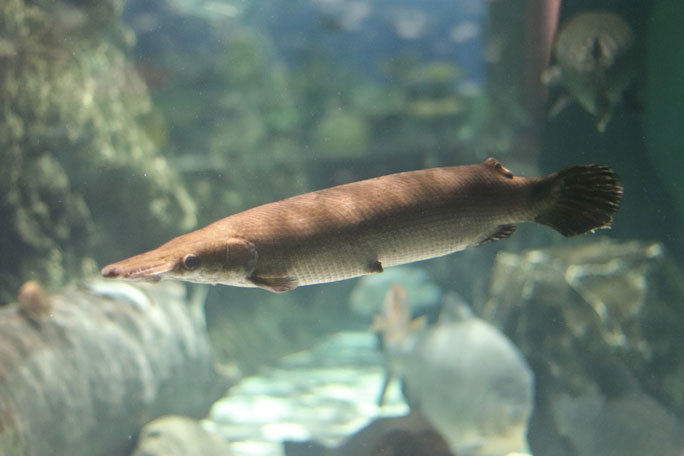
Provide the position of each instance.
(111, 271)
(140, 267)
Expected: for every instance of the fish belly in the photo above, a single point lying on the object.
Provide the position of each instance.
(417, 234)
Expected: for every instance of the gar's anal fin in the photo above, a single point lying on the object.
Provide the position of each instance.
(502, 232)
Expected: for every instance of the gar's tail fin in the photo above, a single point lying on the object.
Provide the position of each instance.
(582, 198)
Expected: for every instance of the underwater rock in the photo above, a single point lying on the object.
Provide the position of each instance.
(34, 303)
(84, 369)
(407, 443)
(619, 419)
(463, 374)
(630, 425)
(179, 436)
(409, 435)
(566, 306)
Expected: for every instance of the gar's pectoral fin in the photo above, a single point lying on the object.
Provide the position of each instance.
(274, 284)
(242, 252)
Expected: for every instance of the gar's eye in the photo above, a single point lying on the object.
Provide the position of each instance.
(191, 261)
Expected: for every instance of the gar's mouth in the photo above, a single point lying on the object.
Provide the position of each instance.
(146, 272)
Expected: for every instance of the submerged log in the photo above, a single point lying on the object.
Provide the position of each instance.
(83, 370)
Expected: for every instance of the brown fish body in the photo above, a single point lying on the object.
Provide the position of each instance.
(358, 228)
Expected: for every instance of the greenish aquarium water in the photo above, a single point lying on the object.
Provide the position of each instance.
(227, 226)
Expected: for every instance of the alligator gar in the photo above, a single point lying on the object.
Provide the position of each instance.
(362, 227)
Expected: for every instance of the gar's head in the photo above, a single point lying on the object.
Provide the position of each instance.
(189, 258)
